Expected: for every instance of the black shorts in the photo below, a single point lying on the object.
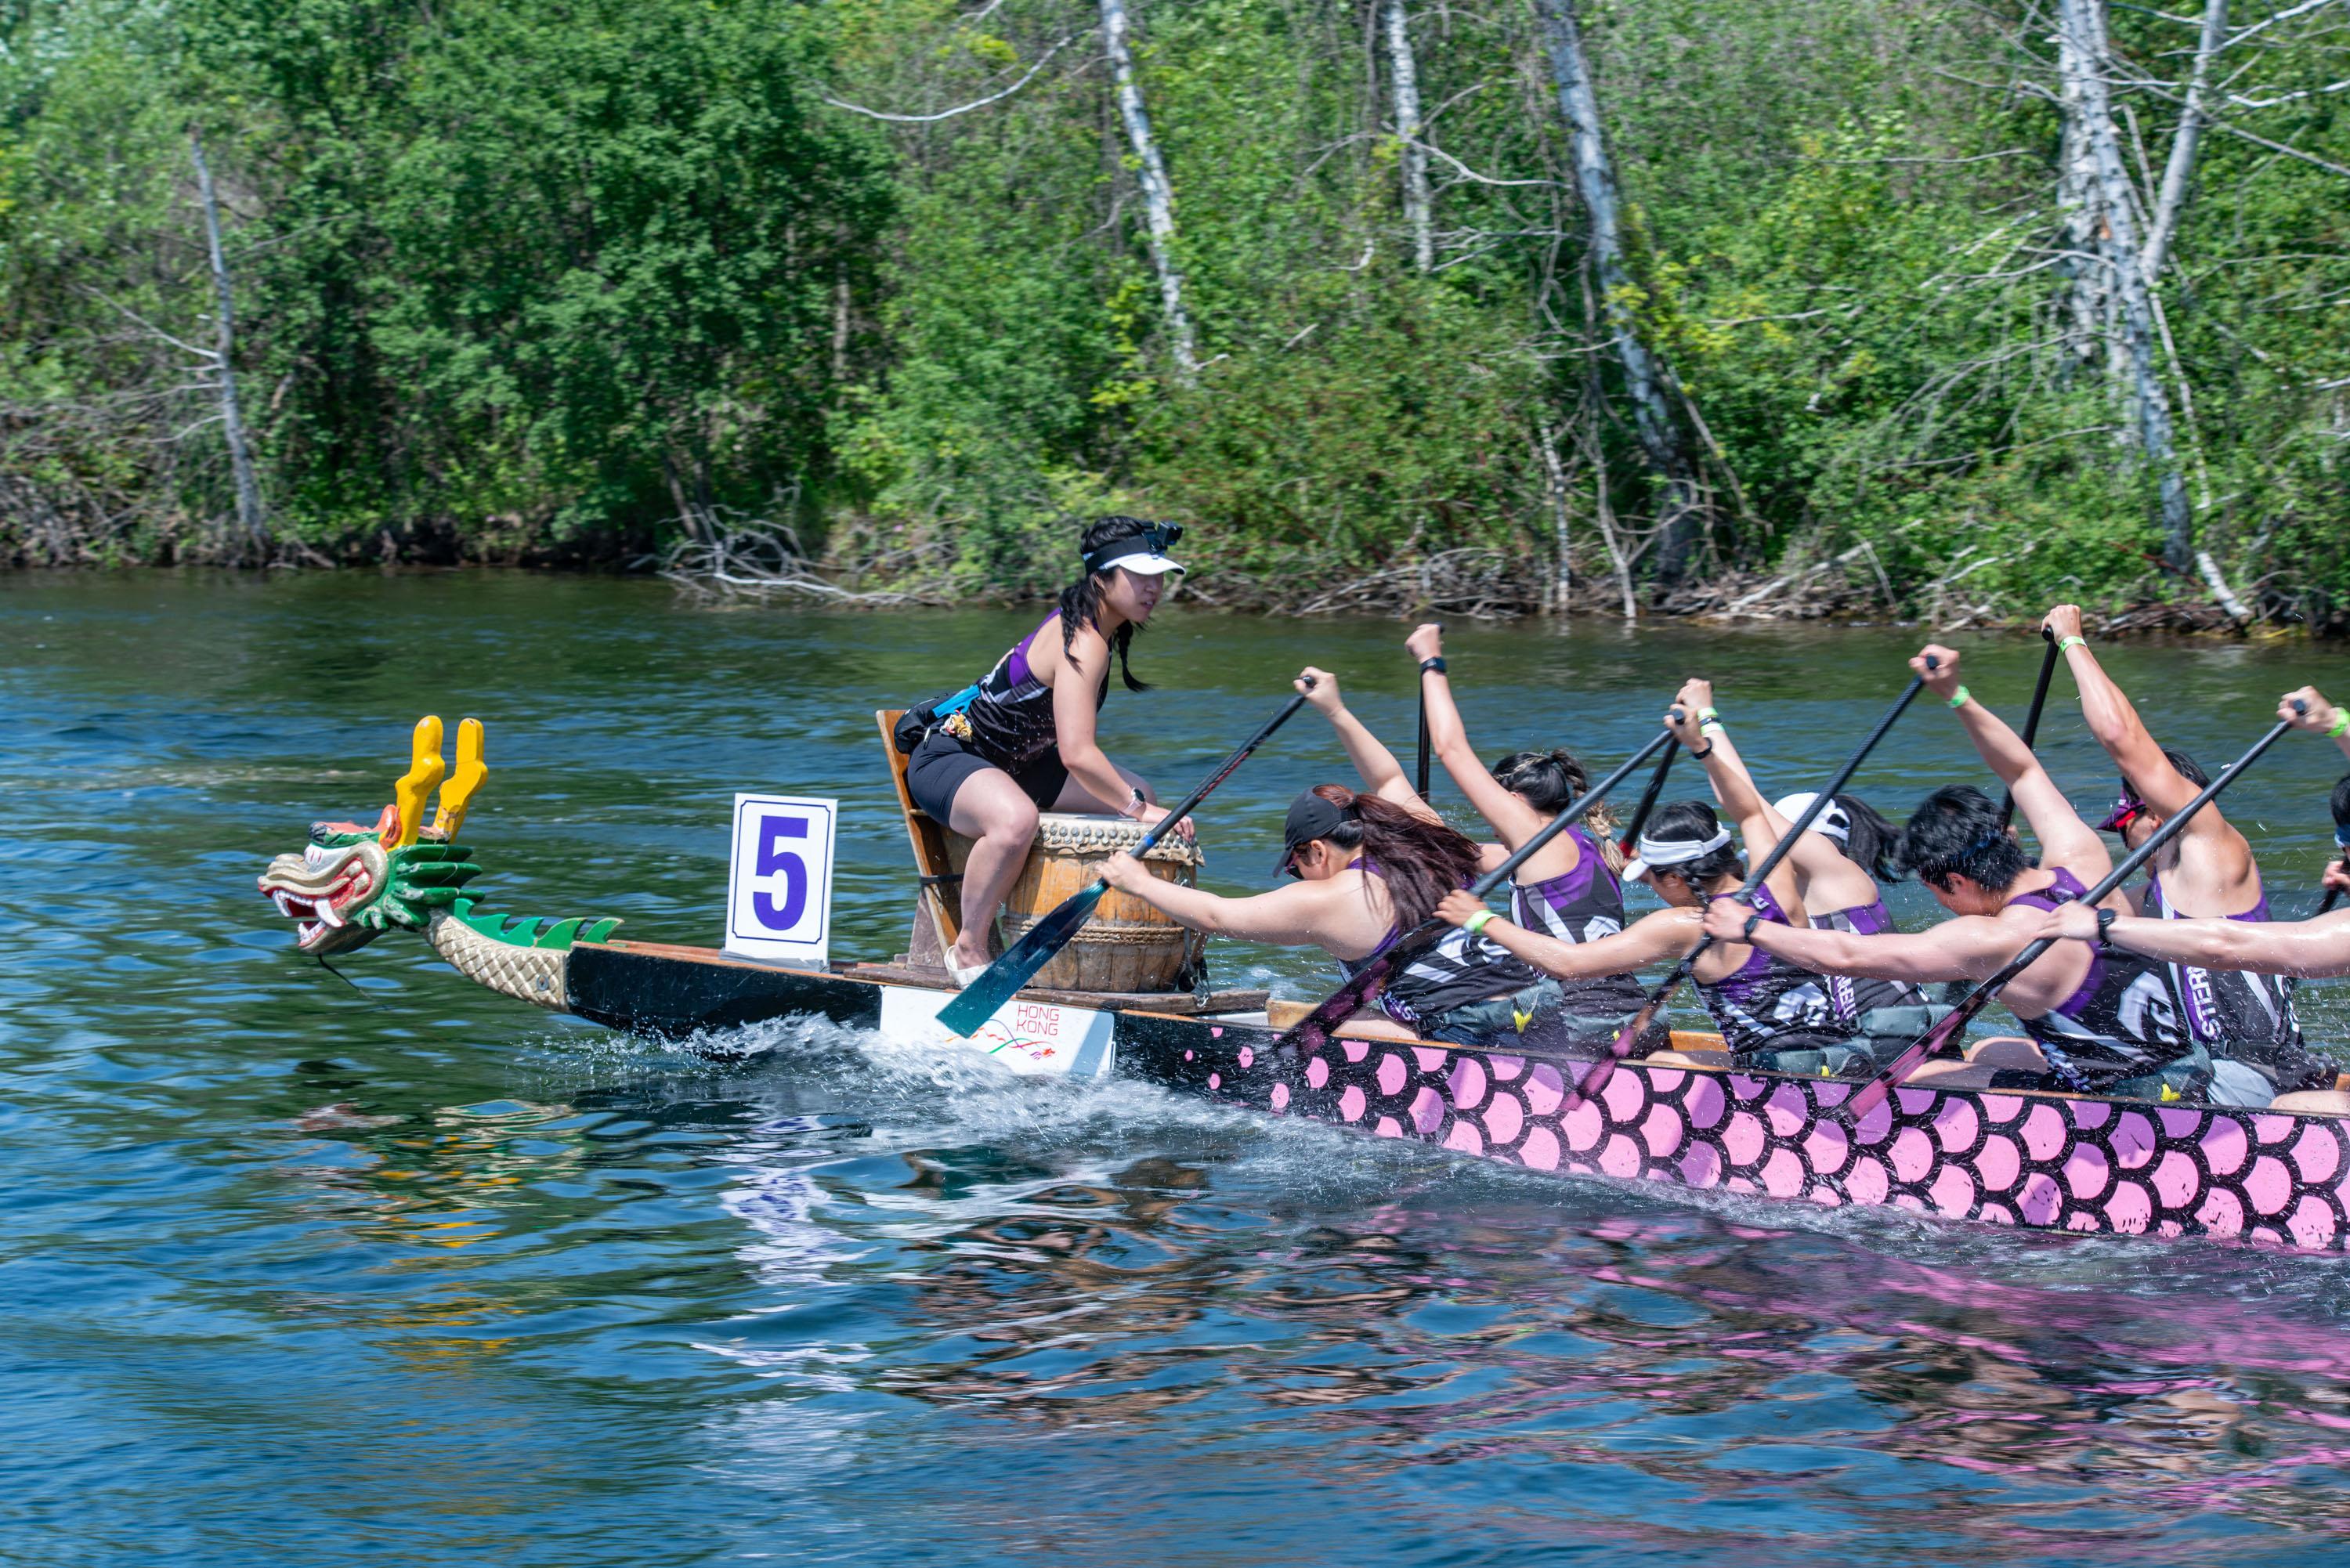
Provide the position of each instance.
(936, 772)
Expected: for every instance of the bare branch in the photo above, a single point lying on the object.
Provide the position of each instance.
(1042, 61)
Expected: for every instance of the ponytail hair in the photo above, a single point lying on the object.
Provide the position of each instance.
(1868, 842)
(1420, 861)
(1550, 782)
(1080, 602)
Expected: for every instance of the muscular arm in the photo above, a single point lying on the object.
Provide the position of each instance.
(1655, 938)
(2310, 948)
(2217, 851)
(1328, 914)
(2065, 839)
(1968, 948)
(1512, 819)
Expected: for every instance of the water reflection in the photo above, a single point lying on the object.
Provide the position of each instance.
(406, 1273)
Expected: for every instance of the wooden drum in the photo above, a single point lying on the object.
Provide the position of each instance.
(1128, 946)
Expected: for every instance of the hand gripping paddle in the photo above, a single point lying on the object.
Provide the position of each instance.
(1872, 1093)
(1311, 1031)
(1048, 936)
(1578, 1093)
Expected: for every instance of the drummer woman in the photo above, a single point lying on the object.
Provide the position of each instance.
(1370, 864)
(1020, 741)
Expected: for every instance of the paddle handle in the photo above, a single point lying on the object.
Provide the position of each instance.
(1631, 840)
(1190, 803)
(2032, 718)
(1872, 1093)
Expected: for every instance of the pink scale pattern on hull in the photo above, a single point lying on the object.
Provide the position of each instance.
(2043, 1162)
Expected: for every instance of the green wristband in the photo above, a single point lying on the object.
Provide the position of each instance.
(2340, 724)
(2071, 642)
(1960, 701)
(1477, 921)
(1707, 715)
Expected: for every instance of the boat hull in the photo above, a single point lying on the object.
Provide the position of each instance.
(2034, 1161)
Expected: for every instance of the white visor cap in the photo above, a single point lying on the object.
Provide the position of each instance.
(1657, 853)
(1832, 822)
(1145, 563)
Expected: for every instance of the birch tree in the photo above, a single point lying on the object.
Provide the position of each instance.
(2104, 225)
(252, 533)
(1594, 178)
(1158, 195)
(1403, 75)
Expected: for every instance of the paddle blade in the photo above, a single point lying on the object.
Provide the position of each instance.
(1017, 968)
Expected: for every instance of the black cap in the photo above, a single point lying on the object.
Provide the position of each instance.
(1310, 817)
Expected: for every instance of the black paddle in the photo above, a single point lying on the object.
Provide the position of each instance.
(1048, 936)
(1630, 841)
(1872, 1093)
(1311, 1031)
(2032, 718)
(1421, 783)
(1762, 874)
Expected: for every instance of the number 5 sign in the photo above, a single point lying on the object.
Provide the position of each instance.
(779, 891)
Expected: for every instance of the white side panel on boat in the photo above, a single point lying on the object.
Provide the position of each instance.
(1034, 1037)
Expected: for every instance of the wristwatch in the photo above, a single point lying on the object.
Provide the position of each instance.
(2105, 928)
(1435, 662)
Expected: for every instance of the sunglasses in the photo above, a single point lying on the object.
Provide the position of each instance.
(2123, 815)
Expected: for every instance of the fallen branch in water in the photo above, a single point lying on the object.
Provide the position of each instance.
(724, 561)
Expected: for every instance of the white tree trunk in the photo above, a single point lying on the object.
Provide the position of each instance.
(1594, 178)
(2179, 173)
(2082, 50)
(1158, 196)
(252, 533)
(1403, 72)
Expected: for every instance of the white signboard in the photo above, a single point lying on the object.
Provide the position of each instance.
(779, 891)
(1038, 1038)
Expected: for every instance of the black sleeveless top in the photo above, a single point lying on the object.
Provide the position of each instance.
(1769, 1005)
(2124, 1022)
(1856, 994)
(1583, 906)
(1008, 718)
(1459, 970)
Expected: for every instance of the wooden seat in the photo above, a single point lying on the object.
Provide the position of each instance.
(938, 908)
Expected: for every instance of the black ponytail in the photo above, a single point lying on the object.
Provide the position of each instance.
(1081, 600)
(1868, 842)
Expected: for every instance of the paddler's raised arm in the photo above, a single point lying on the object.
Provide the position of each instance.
(1448, 740)
(1971, 946)
(1382, 775)
(2316, 715)
(2065, 839)
(1694, 723)
(2312, 949)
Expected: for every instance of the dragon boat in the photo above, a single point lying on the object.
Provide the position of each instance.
(2039, 1160)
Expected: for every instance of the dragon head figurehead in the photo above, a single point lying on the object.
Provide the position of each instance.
(352, 882)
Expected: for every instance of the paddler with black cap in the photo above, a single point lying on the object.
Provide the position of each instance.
(986, 760)
(1367, 865)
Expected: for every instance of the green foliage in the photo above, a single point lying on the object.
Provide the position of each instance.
(527, 279)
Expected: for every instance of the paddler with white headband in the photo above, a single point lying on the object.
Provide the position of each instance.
(1770, 1014)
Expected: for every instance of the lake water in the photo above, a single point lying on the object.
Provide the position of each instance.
(304, 1272)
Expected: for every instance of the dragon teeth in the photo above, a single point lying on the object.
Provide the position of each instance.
(325, 910)
(285, 903)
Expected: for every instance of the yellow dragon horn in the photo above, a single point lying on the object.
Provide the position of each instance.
(425, 770)
(458, 793)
